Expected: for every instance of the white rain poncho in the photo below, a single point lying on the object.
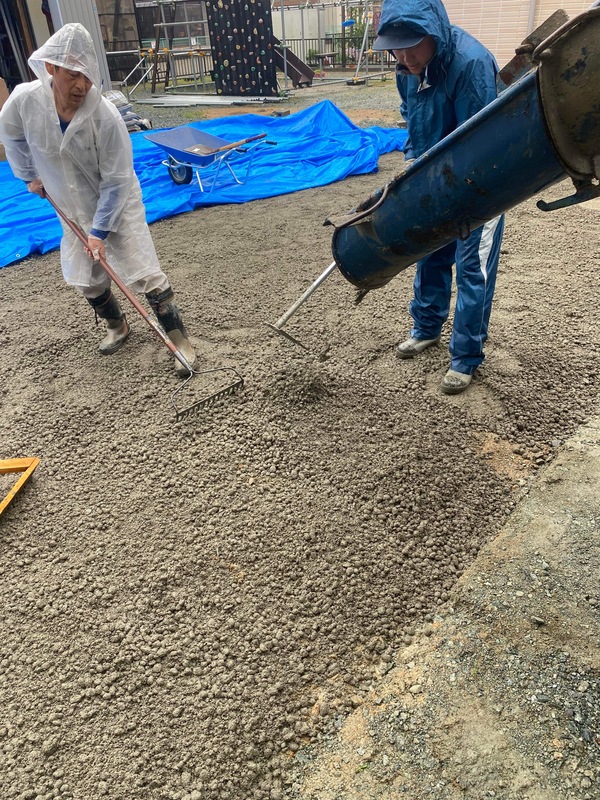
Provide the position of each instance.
(88, 170)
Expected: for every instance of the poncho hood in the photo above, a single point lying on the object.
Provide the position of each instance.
(71, 47)
(424, 17)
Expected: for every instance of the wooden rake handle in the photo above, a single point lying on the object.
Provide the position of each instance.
(234, 145)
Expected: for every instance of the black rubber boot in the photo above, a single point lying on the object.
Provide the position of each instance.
(107, 307)
(169, 316)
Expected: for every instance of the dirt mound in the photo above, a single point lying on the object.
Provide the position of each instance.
(186, 607)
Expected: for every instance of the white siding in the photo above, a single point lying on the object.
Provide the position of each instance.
(573, 7)
(501, 25)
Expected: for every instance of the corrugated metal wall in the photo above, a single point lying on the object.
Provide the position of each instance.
(501, 25)
(85, 12)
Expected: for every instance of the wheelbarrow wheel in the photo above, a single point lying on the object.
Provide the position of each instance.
(180, 174)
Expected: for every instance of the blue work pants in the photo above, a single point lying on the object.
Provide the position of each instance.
(476, 260)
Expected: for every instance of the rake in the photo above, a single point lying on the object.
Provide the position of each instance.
(194, 408)
(277, 327)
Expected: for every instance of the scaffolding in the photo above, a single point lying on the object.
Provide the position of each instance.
(144, 59)
(193, 57)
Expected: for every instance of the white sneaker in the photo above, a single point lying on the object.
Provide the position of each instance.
(412, 347)
(455, 382)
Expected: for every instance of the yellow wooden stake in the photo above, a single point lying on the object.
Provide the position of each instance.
(9, 465)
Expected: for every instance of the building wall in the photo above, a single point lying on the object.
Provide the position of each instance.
(502, 25)
(38, 22)
(573, 7)
(312, 20)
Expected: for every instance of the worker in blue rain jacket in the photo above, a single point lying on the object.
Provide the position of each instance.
(444, 77)
(63, 136)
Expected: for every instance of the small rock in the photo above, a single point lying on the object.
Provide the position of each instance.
(186, 778)
(49, 746)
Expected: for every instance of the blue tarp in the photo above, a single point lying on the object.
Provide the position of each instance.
(314, 147)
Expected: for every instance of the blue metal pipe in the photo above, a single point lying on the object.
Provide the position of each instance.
(496, 160)
(543, 128)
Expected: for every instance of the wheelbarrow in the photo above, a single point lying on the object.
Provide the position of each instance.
(190, 150)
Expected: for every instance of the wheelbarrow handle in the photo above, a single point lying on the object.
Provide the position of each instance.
(122, 286)
(235, 145)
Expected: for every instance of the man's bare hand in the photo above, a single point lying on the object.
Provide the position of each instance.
(95, 248)
(37, 187)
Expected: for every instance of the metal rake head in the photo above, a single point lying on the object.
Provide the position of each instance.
(208, 399)
(323, 355)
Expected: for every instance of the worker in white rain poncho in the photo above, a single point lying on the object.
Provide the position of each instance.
(62, 136)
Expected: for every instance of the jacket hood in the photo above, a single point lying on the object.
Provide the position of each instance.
(71, 47)
(424, 17)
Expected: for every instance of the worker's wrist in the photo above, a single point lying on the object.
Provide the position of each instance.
(98, 234)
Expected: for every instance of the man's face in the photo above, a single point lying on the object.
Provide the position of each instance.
(69, 87)
(416, 58)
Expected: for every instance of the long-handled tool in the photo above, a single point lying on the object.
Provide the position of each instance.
(278, 326)
(162, 335)
(363, 210)
(205, 149)
(356, 215)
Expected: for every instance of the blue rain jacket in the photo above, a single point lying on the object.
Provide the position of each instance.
(457, 83)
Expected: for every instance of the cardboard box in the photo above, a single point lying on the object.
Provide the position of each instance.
(3, 92)
(3, 99)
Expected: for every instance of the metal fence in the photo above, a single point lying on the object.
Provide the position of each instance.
(188, 66)
(173, 69)
(340, 51)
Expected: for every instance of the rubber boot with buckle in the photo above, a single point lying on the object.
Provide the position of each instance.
(107, 308)
(169, 316)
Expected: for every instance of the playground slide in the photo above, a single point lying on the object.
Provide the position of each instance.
(299, 72)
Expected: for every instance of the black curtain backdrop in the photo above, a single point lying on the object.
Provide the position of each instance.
(241, 38)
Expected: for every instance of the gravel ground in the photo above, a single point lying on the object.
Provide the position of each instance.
(497, 696)
(200, 610)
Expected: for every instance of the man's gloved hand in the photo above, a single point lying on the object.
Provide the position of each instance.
(37, 187)
(95, 248)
